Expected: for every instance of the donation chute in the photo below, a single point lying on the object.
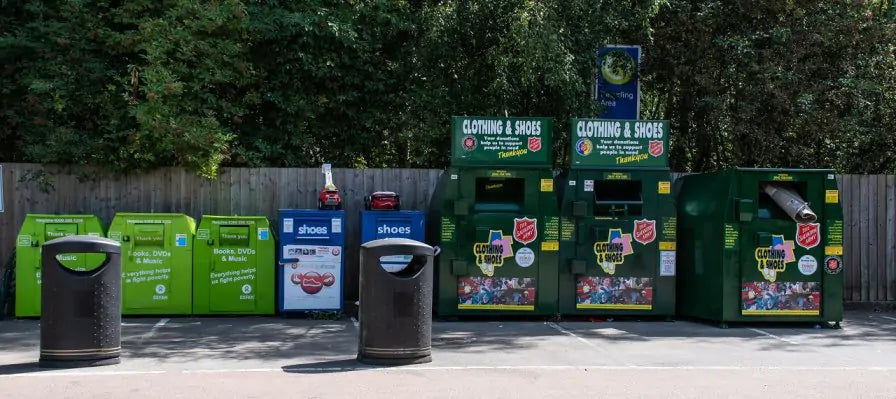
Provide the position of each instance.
(329, 196)
(791, 202)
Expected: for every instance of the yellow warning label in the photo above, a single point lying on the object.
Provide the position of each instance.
(664, 187)
(547, 185)
(831, 196)
(550, 246)
(667, 245)
(833, 250)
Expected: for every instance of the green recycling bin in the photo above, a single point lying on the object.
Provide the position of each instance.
(494, 215)
(617, 242)
(156, 262)
(760, 245)
(35, 231)
(233, 266)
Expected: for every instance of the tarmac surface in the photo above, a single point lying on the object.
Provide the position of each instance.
(271, 357)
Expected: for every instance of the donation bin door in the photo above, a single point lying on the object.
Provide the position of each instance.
(617, 239)
(232, 270)
(311, 260)
(499, 238)
(146, 290)
(781, 260)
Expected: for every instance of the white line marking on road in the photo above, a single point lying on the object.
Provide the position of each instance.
(257, 370)
(81, 373)
(152, 331)
(773, 336)
(583, 340)
(447, 368)
(571, 334)
(889, 318)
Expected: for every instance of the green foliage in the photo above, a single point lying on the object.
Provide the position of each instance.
(332, 81)
(130, 86)
(776, 84)
(373, 83)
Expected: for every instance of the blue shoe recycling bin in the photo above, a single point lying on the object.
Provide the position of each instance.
(310, 260)
(377, 225)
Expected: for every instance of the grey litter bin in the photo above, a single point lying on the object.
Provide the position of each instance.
(81, 310)
(395, 314)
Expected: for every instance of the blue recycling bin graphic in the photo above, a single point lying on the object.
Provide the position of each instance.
(376, 225)
(311, 261)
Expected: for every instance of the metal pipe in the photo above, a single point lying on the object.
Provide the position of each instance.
(791, 202)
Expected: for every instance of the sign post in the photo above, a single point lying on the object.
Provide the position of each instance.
(617, 86)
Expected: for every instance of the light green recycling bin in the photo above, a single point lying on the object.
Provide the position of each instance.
(35, 231)
(156, 262)
(233, 266)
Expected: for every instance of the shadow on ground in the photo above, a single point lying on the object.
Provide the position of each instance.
(858, 327)
(333, 344)
(328, 366)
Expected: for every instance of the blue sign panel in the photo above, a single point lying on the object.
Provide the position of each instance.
(377, 225)
(617, 86)
(310, 260)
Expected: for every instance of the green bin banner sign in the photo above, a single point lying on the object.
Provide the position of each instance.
(619, 143)
(488, 141)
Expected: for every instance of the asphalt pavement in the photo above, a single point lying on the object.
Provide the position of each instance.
(271, 357)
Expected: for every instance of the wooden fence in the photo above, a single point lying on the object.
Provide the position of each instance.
(869, 206)
(31, 188)
(869, 235)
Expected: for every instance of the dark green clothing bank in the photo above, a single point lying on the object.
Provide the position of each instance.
(618, 236)
(494, 215)
(760, 245)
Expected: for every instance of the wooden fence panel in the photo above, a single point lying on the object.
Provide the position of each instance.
(31, 188)
(869, 206)
(890, 240)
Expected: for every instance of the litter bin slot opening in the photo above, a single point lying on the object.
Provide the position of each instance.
(82, 263)
(411, 269)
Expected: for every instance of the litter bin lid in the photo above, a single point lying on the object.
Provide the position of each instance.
(403, 242)
(89, 244)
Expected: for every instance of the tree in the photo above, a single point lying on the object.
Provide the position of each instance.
(776, 84)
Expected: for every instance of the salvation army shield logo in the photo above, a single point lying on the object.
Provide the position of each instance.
(833, 265)
(524, 230)
(807, 234)
(645, 231)
(469, 143)
(655, 148)
(534, 144)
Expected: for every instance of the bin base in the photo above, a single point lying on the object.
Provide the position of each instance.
(56, 363)
(392, 361)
